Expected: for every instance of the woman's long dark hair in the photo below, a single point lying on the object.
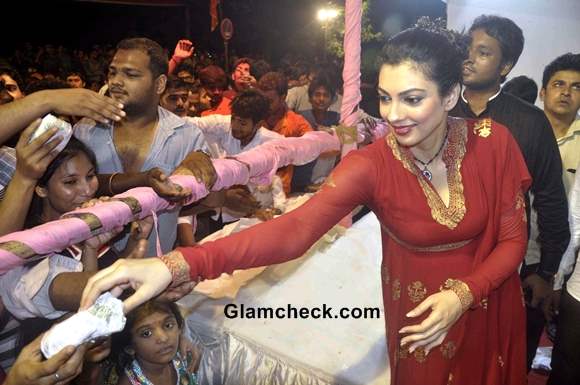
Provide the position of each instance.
(72, 149)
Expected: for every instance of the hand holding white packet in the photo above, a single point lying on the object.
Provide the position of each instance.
(65, 130)
(104, 318)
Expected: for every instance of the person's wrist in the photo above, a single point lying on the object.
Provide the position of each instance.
(176, 59)
(177, 267)
(461, 289)
(44, 102)
(23, 179)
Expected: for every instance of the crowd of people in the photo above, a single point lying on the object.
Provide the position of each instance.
(487, 177)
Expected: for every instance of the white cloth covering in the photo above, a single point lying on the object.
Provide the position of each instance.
(345, 273)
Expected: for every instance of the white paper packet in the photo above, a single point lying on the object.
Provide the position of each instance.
(104, 318)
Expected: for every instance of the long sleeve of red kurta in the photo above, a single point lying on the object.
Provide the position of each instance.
(290, 235)
(512, 240)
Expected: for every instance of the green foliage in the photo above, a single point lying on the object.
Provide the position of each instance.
(335, 31)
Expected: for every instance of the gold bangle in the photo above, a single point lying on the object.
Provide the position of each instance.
(177, 266)
(111, 183)
(462, 291)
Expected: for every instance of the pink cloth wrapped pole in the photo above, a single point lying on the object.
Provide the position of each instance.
(351, 98)
(256, 165)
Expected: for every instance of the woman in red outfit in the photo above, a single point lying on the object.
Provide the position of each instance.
(449, 196)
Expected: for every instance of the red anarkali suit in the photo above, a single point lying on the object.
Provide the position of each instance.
(480, 239)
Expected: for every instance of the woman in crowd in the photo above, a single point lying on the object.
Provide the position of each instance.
(449, 196)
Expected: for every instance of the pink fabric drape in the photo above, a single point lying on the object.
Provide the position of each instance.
(351, 98)
(256, 165)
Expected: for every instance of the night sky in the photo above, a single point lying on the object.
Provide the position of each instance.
(271, 27)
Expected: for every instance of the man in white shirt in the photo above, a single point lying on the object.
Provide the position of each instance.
(229, 135)
(561, 96)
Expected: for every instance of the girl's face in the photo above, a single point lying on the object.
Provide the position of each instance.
(72, 184)
(411, 104)
(155, 338)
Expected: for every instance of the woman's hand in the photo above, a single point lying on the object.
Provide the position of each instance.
(147, 276)
(33, 157)
(445, 311)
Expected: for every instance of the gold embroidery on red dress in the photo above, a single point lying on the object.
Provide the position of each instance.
(420, 355)
(483, 303)
(483, 128)
(385, 275)
(453, 154)
(396, 289)
(448, 349)
(417, 291)
(403, 352)
(521, 205)
(500, 361)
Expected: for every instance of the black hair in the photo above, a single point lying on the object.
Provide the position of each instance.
(242, 60)
(566, 62)
(158, 63)
(294, 72)
(13, 74)
(250, 104)
(322, 79)
(213, 75)
(523, 87)
(432, 52)
(73, 148)
(175, 83)
(122, 340)
(506, 32)
(45, 84)
(274, 81)
(259, 68)
(77, 72)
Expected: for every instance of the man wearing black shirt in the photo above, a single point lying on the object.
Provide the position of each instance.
(496, 44)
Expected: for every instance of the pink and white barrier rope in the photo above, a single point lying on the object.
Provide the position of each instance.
(257, 165)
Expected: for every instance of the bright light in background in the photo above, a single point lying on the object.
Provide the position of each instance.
(326, 14)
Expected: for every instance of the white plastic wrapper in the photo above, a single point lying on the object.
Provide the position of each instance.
(543, 358)
(64, 130)
(104, 318)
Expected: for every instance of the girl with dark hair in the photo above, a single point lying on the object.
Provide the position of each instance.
(449, 196)
(147, 349)
(41, 289)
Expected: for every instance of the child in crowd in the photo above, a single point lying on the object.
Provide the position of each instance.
(147, 349)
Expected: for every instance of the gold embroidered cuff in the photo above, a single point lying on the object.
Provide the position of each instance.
(462, 291)
(177, 266)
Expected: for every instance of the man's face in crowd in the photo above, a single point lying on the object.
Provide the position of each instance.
(276, 101)
(10, 90)
(561, 96)
(483, 68)
(215, 92)
(321, 99)
(243, 128)
(131, 82)
(186, 76)
(176, 101)
(75, 81)
(241, 76)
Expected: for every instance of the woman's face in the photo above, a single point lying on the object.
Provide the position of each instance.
(155, 338)
(72, 184)
(411, 104)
